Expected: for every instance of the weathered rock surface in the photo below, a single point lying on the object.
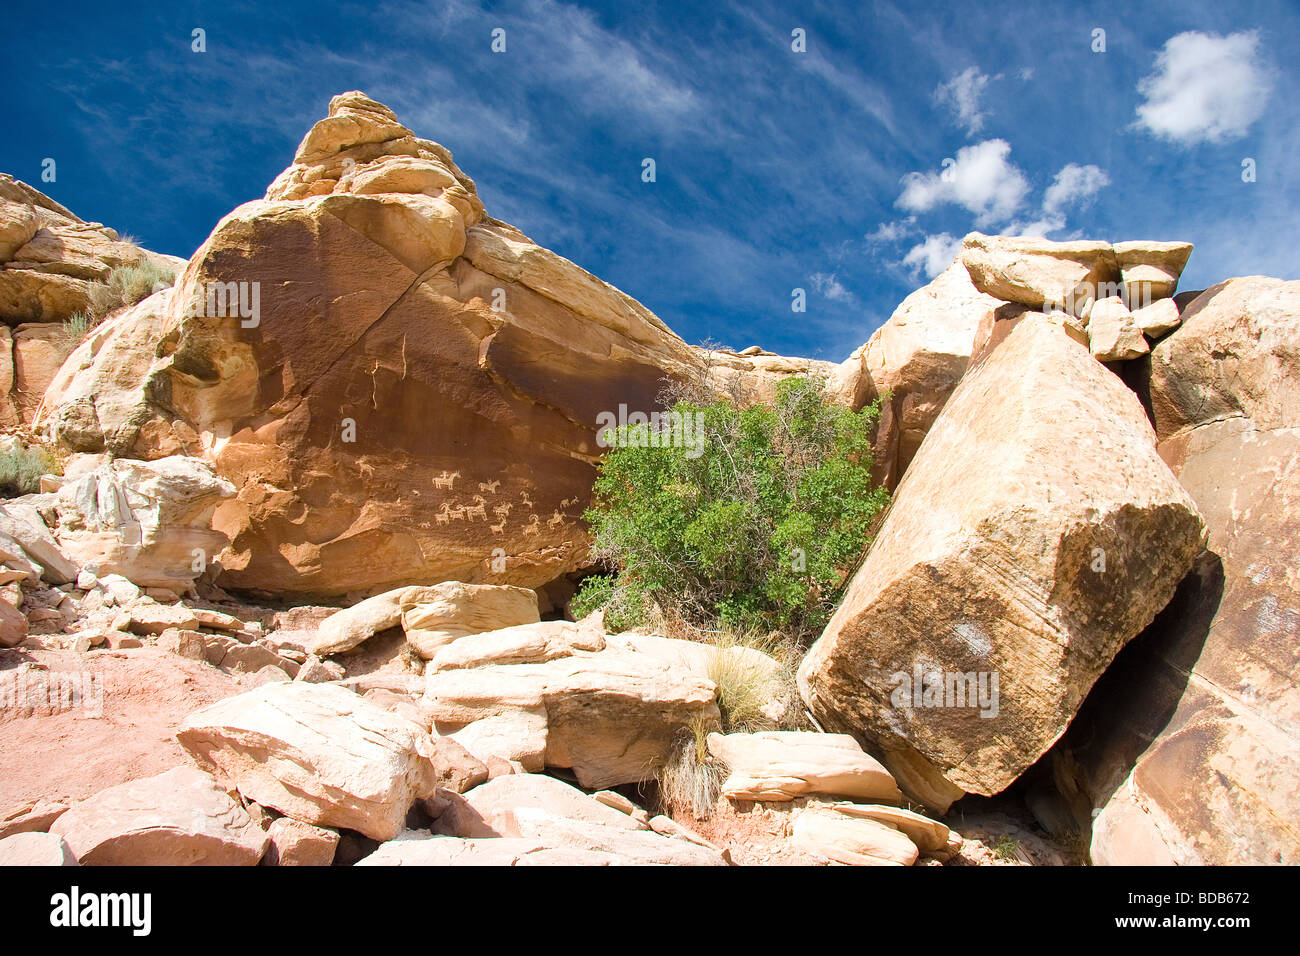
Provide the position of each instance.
(452, 610)
(149, 521)
(783, 765)
(49, 257)
(1003, 557)
(611, 716)
(1113, 331)
(294, 843)
(317, 753)
(521, 644)
(35, 849)
(1035, 272)
(1150, 270)
(422, 849)
(918, 357)
(178, 818)
(851, 839)
(1216, 785)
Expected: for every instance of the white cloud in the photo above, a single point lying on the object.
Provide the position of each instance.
(981, 179)
(828, 285)
(1205, 88)
(961, 94)
(933, 255)
(1074, 185)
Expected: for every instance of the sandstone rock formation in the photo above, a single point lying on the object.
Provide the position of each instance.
(178, 818)
(35, 849)
(783, 765)
(405, 343)
(1004, 558)
(1217, 785)
(149, 521)
(317, 753)
(918, 357)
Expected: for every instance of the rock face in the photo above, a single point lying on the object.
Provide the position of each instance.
(1035, 272)
(49, 257)
(178, 818)
(1216, 785)
(918, 357)
(404, 343)
(1001, 559)
(318, 753)
(144, 520)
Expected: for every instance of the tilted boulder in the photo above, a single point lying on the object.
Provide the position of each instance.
(177, 818)
(452, 610)
(318, 753)
(1213, 721)
(1004, 559)
(850, 839)
(1150, 270)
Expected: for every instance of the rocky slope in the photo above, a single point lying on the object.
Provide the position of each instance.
(364, 390)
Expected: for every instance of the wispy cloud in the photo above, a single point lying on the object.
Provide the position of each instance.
(961, 94)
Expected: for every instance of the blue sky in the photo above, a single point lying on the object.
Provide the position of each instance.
(776, 169)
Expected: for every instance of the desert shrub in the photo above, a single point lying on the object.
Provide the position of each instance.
(127, 285)
(755, 522)
(691, 780)
(21, 467)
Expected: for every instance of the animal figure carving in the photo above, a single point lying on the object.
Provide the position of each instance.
(446, 480)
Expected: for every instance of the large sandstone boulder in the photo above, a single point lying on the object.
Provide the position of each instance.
(1218, 752)
(612, 716)
(178, 818)
(149, 521)
(416, 398)
(452, 610)
(918, 357)
(1007, 574)
(318, 753)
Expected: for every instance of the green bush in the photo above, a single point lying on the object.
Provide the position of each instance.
(21, 468)
(757, 527)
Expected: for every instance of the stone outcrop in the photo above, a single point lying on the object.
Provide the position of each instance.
(49, 256)
(1217, 784)
(316, 752)
(178, 818)
(405, 343)
(1001, 558)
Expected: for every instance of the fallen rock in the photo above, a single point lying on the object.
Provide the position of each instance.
(420, 849)
(33, 817)
(25, 525)
(1003, 560)
(150, 521)
(35, 849)
(13, 625)
(317, 753)
(521, 644)
(851, 839)
(611, 716)
(294, 843)
(1158, 318)
(783, 765)
(1113, 333)
(178, 818)
(447, 612)
(1150, 270)
(930, 836)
